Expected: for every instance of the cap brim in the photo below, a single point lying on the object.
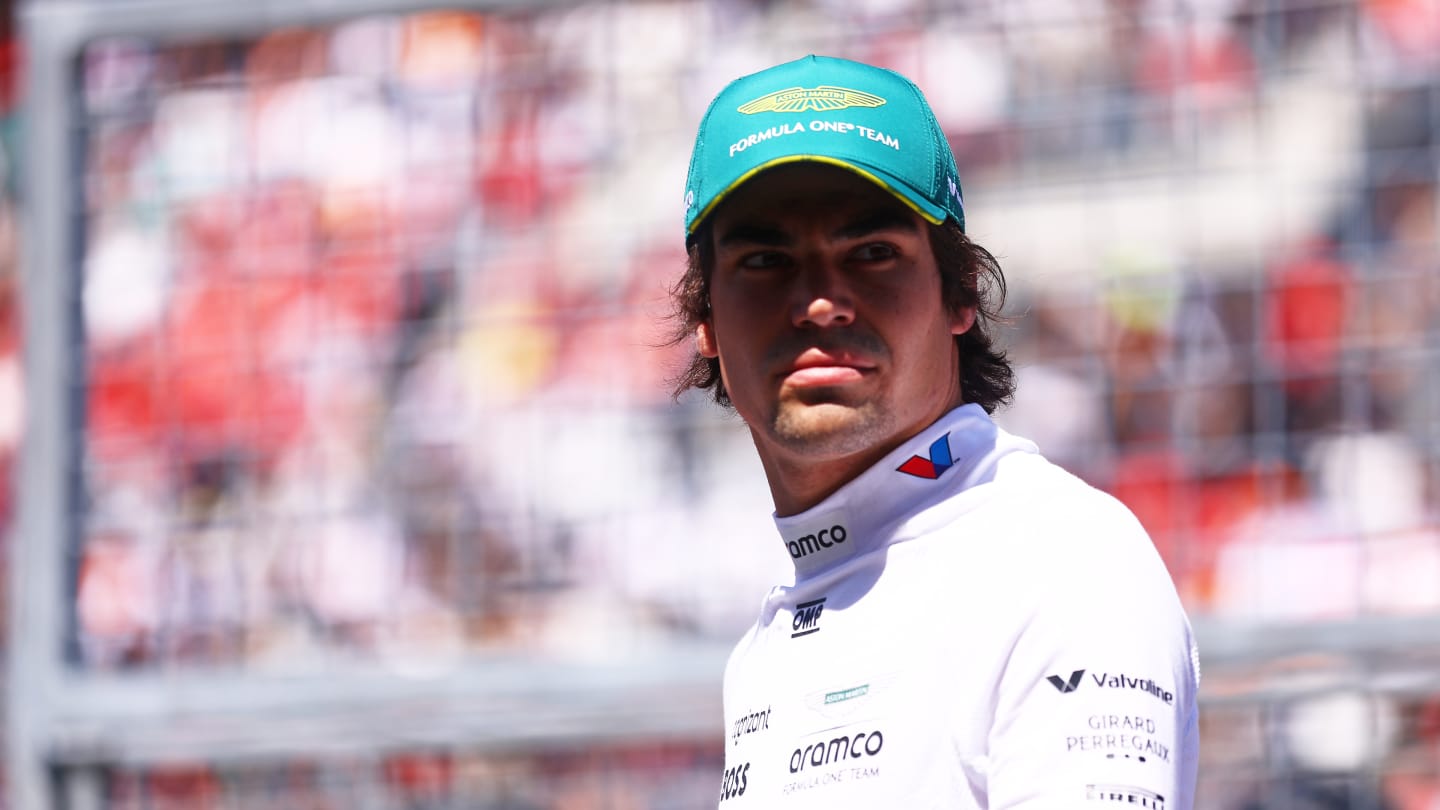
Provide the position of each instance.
(930, 212)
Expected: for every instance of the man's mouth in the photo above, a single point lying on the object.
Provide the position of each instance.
(819, 367)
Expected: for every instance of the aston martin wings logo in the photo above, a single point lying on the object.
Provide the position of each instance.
(800, 99)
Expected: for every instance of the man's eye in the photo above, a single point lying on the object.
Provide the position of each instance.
(875, 252)
(763, 261)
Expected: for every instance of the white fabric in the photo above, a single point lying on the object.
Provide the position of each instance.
(1004, 636)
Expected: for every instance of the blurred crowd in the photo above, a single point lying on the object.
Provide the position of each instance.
(376, 345)
(375, 313)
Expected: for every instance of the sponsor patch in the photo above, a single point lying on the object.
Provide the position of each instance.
(843, 700)
(735, 781)
(800, 99)
(810, 543)
(834, 757)
(847, 694)
(1121, 736)
(930, 468)
(1138, 747)
(1127, 794)
(749, 724)
(807, 618)
(1106, 680)
(793, 128)
(1067, 686)
(838, 748)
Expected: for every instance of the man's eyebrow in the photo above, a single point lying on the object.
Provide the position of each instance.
(890, 219)
(744, 233)
(749, 233)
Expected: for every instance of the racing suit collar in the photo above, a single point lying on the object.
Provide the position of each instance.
(955, 453)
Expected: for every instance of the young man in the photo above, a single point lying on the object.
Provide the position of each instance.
(969, 626)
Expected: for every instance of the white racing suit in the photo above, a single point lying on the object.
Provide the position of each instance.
(970, 627)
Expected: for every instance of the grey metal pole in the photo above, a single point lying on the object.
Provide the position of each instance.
(48, 279)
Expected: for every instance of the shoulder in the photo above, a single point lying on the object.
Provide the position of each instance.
(1097, 589)
(1055, 516)
(1075, 564)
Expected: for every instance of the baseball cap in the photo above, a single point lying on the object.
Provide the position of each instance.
(866, 119)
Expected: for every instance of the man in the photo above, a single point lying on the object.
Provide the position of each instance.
(969, 626)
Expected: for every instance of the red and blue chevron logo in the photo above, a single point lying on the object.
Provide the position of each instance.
(931, 468)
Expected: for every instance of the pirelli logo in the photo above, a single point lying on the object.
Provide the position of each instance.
(799, 99)
(1126, 794)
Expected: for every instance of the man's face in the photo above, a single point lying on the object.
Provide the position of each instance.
(826, 316)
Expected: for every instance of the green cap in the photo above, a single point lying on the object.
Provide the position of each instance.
(869, 120)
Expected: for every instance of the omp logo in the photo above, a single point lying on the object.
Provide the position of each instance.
(1127, 794)
(807, 618)
(811, 543)
(1066, 687)
(932, 467)
(799, 99)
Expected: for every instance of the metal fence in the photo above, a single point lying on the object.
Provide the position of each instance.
(351, 476)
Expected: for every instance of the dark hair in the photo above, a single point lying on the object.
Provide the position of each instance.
(969, 277)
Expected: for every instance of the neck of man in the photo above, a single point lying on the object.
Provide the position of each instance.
(798, 484)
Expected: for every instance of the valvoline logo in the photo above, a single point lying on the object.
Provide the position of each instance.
(932, 467)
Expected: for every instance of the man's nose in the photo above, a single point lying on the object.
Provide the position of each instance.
(823, 296)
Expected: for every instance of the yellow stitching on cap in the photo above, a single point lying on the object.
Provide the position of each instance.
(811, 159)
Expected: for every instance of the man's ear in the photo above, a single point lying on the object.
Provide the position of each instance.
(705, 340)
(961, 320)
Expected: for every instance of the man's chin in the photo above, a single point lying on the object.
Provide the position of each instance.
(826, 428)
